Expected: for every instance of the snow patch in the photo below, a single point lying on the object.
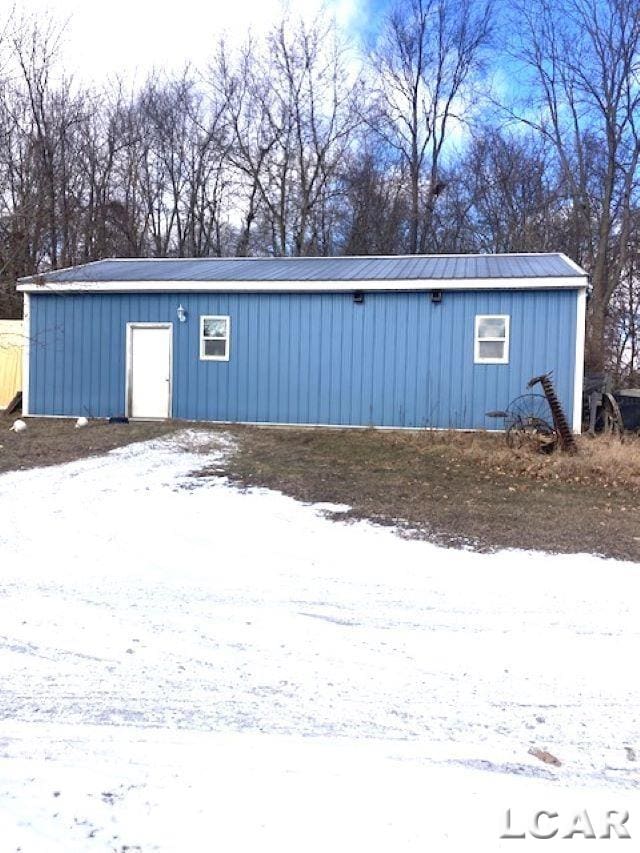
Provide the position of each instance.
(228, 669)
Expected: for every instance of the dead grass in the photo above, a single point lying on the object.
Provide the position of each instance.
(52, 441)
(602, 462)
(458, 489)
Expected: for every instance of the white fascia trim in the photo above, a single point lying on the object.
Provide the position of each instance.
(573, 264)
(578, 379)
(26, 352)
(566, 282)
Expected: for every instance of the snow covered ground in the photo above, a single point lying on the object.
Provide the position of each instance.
(188, 667)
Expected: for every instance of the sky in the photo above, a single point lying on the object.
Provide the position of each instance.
(131, 37)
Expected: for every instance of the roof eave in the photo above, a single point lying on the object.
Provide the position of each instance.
(520, 283)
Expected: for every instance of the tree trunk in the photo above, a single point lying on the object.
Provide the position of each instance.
(595, 344)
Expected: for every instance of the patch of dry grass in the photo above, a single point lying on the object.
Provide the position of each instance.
(458, 489)
(52, 441)
(603, 462)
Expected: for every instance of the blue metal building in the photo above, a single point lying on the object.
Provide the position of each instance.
(426, 341)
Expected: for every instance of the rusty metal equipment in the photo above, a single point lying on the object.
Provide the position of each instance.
(537, 421)
(602, 407)
(628, 400)
(566, 438)
(528, 423)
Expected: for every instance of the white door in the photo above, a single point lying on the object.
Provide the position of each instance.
(149, 371)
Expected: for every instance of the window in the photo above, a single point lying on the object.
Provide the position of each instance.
(214, 338)
(492, 339)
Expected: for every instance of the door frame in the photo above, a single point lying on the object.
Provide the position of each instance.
(130, 327)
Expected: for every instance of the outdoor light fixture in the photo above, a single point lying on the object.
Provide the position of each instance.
(358, 297)
(182, 313)
(436, 296)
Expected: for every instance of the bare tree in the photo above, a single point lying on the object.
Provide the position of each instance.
(291, 110)
(516, 198)
(585, 64)
(374, 205)
(424, 67)
(624, 327)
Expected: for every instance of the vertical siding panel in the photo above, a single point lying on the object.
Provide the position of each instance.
(71, 383)
(110, 318)
(453, 388)
(389, 335)
(355, 327)
(342, 381)
(180, 382)
(402, 396)
(376, 388)
(324, 401)
(258, 359)
(342, 390)
(342, 387)
(437, 359)
(351, 330)
(366, 361)
(272, 346)
(255, 376)
(322, 325)
(249, 367)
(231, 408)
(37, 369)
(225, 366)
(482, 377)
(301, 364)
(242, 347)
(340, 377)
(319, 325)
(398, 403)
(293, 354)
(313, 390)
(292, 384)
(269, 373)
(410, 369)
(52, 386)
(284, 325)
(48, 344)
(51, 344)
(307, 359)
(105, 317)
(446, 341)
(302, 370)
(420, 378)
(330, 352)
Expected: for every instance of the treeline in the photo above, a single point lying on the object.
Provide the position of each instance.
(458, 130)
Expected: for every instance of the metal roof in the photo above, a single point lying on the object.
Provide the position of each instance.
(344, 269)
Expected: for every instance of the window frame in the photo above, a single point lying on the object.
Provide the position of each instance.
(479, 359)
(226, 338)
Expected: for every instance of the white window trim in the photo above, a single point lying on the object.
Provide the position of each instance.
(226, 339)
(478, 359)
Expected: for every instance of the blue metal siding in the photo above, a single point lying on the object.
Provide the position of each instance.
(396, 360)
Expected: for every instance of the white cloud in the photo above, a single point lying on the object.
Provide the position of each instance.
(130, 37)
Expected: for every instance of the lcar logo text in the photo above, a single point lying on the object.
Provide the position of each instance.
(549, 824)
